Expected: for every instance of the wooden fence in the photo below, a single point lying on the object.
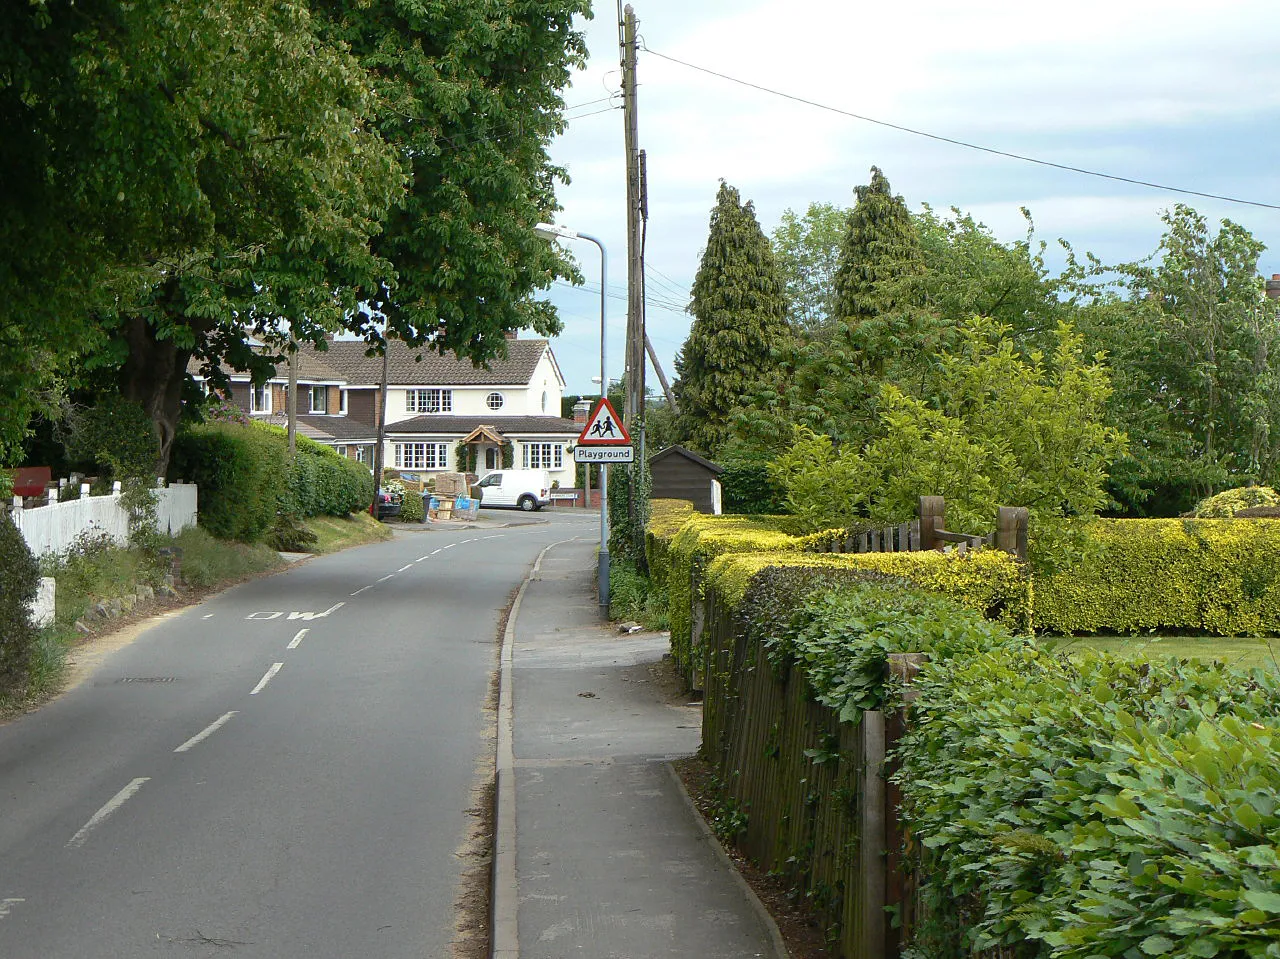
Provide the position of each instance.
(927, 531)
(54, 525)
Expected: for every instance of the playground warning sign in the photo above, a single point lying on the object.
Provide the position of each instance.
(604, 428)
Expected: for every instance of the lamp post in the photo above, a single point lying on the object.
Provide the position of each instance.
(549, 231)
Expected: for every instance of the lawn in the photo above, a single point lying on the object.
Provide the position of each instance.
(1242, 651)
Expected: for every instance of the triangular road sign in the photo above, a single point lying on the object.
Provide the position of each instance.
(604, 428)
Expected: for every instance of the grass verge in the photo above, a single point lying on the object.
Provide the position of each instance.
(1243, 652)
(334, 533)
(93, 571)
(632, 596)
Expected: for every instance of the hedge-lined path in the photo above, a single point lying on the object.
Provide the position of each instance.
(605, 855)
(283, 770)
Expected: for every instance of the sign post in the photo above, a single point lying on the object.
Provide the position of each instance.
(604, 439)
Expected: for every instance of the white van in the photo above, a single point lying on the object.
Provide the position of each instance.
(527, 489)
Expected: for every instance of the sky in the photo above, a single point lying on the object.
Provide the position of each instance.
(1185, 94)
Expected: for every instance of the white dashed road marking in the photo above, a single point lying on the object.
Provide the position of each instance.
(267, 678)
(116, 802)
(293, 644)
(7, 904)
(205, 733)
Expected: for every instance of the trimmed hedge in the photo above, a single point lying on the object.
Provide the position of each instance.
(989, 582)
(702, 538)
(246, 478)
(1094, 807)
(1191, 575)
(19, 582)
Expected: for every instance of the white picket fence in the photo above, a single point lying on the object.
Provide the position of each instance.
(52, 528)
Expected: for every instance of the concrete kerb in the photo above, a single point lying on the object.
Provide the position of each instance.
(766, 918)
(503, 928)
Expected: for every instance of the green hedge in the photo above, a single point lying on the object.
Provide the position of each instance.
(19, 581)
(1192, 575)
(1093, 807)
(246, 478)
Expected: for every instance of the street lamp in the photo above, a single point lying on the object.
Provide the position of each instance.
(552, 232)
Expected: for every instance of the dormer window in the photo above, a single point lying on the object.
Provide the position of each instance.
(319, 399)
(429, 401)
(494, 401)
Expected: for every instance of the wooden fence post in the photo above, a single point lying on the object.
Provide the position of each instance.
(1011, 531)
(899, 891)
(932, 517)
(871, 836)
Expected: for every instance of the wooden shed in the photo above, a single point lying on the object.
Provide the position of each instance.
(679, 473)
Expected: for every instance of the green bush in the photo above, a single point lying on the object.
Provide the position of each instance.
(411, 507)
(242, 473)
(841, 637)
(1226, 504)
(19, 581)
(1210, 576)
(1094, 807)
(246, 478)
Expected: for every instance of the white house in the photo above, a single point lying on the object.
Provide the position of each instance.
(439, 407)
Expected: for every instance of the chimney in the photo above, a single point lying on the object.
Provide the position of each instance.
(512, 334)
(581, 410)
(1273, 287)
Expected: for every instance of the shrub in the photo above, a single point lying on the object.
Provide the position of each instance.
(242, 473)
(411, 510)
(1094, 807)
(19, 581)
(1212, 576)
(1226, 504)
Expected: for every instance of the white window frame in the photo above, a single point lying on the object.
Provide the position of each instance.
(256, 405)
(311, 400)
(428, 400)
(420, 456)
(495, 401)
(541, 456)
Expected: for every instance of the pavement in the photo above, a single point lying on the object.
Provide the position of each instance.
(599, 852)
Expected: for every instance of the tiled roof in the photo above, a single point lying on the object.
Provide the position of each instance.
(404, 368)
(312, 368)
(328, 429)
(507, 425)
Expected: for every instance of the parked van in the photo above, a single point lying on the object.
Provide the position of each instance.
(528, 489)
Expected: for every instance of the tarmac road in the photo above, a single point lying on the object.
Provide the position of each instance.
(281, 771)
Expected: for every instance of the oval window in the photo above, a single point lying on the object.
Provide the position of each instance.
(494, 400)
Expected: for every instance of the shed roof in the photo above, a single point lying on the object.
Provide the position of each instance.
(687, 454)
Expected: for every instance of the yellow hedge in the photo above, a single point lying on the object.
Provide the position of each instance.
(1200, 575)
(700, 539)
(989, 582)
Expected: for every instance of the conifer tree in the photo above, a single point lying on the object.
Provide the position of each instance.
(877, 282)
(739, 322)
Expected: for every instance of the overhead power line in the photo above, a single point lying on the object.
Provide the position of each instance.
(960, 143)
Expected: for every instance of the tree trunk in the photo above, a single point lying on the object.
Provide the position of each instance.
(153, 375)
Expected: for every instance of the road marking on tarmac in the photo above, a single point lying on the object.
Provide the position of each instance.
(205, 733)
(293, 644)
(362, 589)
(267, 678)
(387, 577)
(207, 616)
(403, 568)
(7, 904)
(115, 803)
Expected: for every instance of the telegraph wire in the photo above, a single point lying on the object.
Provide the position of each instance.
(960, 143)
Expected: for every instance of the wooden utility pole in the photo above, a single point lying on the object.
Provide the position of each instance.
(633, 404)
(291, 401)
(382, 428)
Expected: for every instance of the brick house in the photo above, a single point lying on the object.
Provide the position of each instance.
(435, 403)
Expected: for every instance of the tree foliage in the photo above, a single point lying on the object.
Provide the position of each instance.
(807, 249)
(183, 176)
(1189, 337)
(739, 323)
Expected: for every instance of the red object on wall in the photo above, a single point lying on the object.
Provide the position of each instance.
(31, 480)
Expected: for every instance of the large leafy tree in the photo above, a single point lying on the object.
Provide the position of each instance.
(739, 323)
(807, 248)
(220, 172)
(468, 92)
(1190, 339)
